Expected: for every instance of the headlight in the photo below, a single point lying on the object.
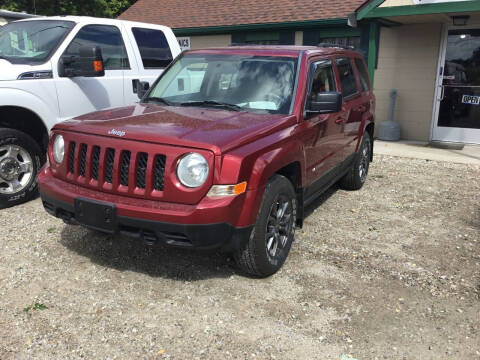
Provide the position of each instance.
(58, 149)
(192, 170)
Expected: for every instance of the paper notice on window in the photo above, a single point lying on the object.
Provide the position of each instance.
(471, 99)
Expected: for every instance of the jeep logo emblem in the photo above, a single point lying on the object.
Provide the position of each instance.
(117, 132)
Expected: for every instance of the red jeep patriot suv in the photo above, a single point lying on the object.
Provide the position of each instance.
(224, 151)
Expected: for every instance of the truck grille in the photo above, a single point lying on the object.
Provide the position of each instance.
(114, 167)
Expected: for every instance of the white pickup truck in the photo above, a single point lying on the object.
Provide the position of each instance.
(55, 68)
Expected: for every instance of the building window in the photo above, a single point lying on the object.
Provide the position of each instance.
(342, 36)
(349, 41)
(263, 38)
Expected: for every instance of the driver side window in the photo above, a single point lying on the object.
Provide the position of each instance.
(323, 79)
(109, 38)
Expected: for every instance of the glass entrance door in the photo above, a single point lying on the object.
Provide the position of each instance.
(458, 115)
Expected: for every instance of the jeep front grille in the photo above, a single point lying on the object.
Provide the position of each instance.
(114, 166)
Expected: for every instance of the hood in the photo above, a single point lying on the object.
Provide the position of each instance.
(213, 129)
(10, 72)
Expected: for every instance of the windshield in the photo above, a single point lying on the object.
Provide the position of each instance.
(236, 82)
(32, 42)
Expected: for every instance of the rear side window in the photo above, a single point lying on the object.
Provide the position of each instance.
(363, 74)
(153, 47)
(108, 38)
(347, 77)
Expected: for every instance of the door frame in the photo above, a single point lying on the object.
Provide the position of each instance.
(434, 136)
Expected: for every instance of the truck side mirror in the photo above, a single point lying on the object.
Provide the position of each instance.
(326, 103)
(89, 63)
(140, 88)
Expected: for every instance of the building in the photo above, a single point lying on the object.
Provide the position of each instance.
(428, 50)
(9, 16)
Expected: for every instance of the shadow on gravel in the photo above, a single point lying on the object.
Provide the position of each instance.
(320, 200)
(126, 254)
(474, 220)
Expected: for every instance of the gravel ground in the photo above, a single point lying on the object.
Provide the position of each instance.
(388, 272)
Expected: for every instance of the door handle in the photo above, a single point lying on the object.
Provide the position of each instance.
(442, 93)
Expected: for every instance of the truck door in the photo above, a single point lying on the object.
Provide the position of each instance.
(154, 48)
(353, 107)
(324, 145)
(362, 106)
(80, 95)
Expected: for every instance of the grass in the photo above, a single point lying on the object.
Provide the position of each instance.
(35, 306)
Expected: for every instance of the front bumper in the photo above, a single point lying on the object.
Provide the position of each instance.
(208, 225)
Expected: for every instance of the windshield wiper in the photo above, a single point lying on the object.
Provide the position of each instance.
(158, 100)
(212, 103)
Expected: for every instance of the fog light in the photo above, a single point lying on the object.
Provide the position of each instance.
(227, 190)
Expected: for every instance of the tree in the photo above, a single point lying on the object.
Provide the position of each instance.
(99, 8)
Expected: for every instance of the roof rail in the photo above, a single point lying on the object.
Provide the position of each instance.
(332, 45)
(245, 44)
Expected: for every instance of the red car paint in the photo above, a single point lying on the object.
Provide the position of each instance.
(238, 146)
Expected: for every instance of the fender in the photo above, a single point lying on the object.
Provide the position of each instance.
(10, 96)
(367, 119)
(259, 165)
(270, 162)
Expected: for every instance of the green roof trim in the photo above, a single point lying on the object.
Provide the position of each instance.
(440, 8)
(263, 26)
(369, 7)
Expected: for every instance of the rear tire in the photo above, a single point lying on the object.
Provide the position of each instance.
(273, 233)
(357, 175)
(20, 161)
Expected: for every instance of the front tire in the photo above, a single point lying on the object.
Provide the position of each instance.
(20, 162)
(273, 233)
(357, 175)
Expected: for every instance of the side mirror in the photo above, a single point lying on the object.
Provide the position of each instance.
(326, 103)
(89, 63)
(140, 88)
